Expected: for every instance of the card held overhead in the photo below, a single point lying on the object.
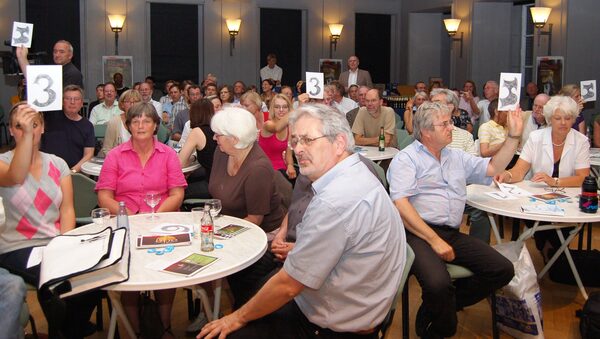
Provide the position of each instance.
(44, 87)
(314, 85)
(22, 34)
(588, 90)
(510, 91)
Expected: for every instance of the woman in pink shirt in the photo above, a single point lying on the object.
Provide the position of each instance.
(132, 169)
(273, 138)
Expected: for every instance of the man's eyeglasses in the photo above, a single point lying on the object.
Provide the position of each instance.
(445, 124)
(302, 140)
(72, 99)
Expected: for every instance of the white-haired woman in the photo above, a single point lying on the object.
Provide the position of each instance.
(244, 179)
(557, 155)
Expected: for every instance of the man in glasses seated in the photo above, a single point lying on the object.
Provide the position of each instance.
(428, 186)
(340, 279)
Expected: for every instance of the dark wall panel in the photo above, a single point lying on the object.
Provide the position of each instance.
(372, 45)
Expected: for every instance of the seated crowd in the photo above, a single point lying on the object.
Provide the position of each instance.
(286, 163)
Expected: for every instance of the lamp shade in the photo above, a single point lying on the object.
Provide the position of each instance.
(116, 22)
(540, 15)
(233, 25)
(336, 29)
(451, 25)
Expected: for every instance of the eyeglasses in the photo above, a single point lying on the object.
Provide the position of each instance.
(71, 98)
(445, 124)
(303, 140)
(278, 107)
(554, 189)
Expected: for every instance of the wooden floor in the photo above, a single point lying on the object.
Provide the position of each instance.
(559, 305)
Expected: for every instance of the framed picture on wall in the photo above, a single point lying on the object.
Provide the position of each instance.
(331, 69)
(118, 64)
(550, 74)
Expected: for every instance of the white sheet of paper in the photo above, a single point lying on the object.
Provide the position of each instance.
(513, 190)
(500, 195)
(44, 87)
(314, 85)
(510, 91)
(22, 34)
(35, 257)
(588, 90)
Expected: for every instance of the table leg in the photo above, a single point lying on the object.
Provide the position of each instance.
(118, 311)
(565, 248)
(217, 305)
(494, 228)
(529, 232)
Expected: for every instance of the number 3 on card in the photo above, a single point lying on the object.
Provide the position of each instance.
(44, 87)
(314, 85)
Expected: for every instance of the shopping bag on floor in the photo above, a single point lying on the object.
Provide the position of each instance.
(519, 304)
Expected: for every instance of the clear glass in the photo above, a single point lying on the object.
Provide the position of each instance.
(215, 207)
(152, 199)
(197, 213)
(101, 216)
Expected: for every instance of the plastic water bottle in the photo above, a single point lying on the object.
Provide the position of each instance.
(206, 231)
(122, 217)
(588, 201)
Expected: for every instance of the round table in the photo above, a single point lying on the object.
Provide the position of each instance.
(93, 168)
(373, 153)
(237, 253)
(477, 198)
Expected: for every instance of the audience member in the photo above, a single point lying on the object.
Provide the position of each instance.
(267, 93)
(273, 138)
(252, 102)
(490, 92)
(209, 89)
(226, 94)
(573, 91)
(67, 134)
(315, 294)
(433, 233)
(194, 94)
(119, 86)
(411, 108)
(468, 100)
(493, 133)
(109, 107)
(239, 88)
(271, 71)
(342, 103)
(353, 93)
(144, 162)
(536, 120)
(460, 118)
(354, 75)
(531, 91)
(146, 93)
(116, 129)
(166, 98)
(371, 119)
(99, 97)
(156, 93)
(420, 86)
(62, 54)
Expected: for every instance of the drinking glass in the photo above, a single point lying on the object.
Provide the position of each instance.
(152, 199)
(100, 216)
(197, 213)
(215, 207)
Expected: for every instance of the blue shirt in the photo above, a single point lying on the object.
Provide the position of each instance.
(350, 250)
(436, 189)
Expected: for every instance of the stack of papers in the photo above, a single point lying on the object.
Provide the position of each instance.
(545, 209)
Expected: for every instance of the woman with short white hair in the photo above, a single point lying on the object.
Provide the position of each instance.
(244, 179)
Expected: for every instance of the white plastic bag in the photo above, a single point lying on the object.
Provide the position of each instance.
(519, 304)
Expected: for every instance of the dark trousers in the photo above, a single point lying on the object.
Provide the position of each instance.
(66, 318)
(245, 283)
(441, 296)
(290, 322)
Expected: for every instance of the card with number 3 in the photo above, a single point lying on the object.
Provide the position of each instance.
(44, 87)
(314, 85)
(22, 34)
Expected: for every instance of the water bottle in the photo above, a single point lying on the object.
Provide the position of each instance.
(206, 231)
(588, 201)
(122, 217)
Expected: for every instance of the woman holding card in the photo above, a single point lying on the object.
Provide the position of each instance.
(130, 171)
(38, 199)
(558, 156)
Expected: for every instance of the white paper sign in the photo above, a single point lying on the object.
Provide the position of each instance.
(588, 90)
(315, 85)
(44, 87)
(22, 34)
(510, 91)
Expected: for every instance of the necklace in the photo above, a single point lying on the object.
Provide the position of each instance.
(559, 145)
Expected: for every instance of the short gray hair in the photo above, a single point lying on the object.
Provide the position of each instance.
(334, 122)
(451, 97)
(235, 122)
(561, 103)
(425, 115)
(421, 95)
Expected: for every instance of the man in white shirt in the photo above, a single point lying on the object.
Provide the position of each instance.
(103, 112)
(341, 102)
(146, 92)
(271, 70)
(490, 92)
(354, 75)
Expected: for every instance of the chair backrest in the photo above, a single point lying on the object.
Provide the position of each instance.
(380, 173)
(100, 131)
(404, 139)
(84, 195)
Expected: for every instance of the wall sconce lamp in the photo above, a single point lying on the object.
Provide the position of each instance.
(233, 25)
(540, 15)
(116, 25)
(452, 28)
(336, 32)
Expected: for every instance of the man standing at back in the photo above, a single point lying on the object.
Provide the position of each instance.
(340, 279)
(271, 70)
(62, 53)
(354, 75)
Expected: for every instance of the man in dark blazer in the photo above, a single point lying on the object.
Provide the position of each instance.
(354, 75)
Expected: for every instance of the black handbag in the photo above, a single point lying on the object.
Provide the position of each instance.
(151, 327)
